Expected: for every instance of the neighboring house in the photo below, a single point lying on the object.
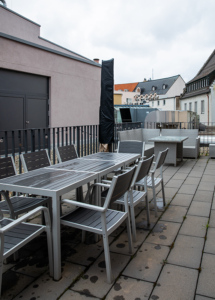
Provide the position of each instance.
(162, 93)
(41, 83)
(199, 94)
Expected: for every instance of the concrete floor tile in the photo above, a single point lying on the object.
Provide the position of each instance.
(187, 251)
(203, 196)
(194, 226)
(195, 174)
(175, 283)
(121, 244)
(188, 189)
(147, 263)
(127, 288)
(174, 183)
(71, 295)
(192, 180)
(212, 219)
(174, 214)
(198, 297)
(213, 204)
(199, 209)
(182, 200)
(180, 176)
(163, 233)
(206, 186)
(208, 178)
(142, 216)
(206, 286)
(84, 254)
(184, 170)
(118, 231)
(209, 172)
(210, 242)
(46, 288)
(94, 281)
(169, 192)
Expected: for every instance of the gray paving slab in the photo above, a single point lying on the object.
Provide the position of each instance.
(174, 214)
(180, 176)
(85, 254)
(147, 263)
(175, 283)
(182, 200)
(118, 231)
(184, 170)
(72, 295)
(199, 209)
(203, 196)
(198, 297)
(212, 219)
(194, 226)
(206, 286)
(192, 180)
(127, 288)
(188, 189)
(213, 204)
(13, 283)
(209, 172)
(210, 242)
(163, 233)
(174, 183)
(187, 251)
(206, 186)
(121, 244)
(208, 178)
(169, 192)
(195, 173)
(46, 288)
(94, 281)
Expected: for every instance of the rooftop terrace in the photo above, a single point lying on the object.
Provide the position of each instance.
(175, 260)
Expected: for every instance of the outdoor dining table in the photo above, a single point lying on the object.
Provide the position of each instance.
(175, 145)
(56, 180)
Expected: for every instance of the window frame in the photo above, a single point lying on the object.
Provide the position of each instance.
(202, 107)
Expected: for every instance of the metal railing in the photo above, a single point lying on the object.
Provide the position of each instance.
(85, 138)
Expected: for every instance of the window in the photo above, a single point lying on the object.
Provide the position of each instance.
(158, 102)
(128, 100)
(164, 102)
(202, 107)
(190, 106)
(164, 86)
(152, 103)
(195, 107)
(153, 88)
(185, 106)
(126, 90)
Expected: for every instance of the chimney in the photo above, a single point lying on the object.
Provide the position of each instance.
(96, 60)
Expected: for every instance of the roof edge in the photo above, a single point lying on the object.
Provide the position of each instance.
(10, 10)
(48, 49)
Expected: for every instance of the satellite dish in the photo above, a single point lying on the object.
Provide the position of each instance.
(3, 2)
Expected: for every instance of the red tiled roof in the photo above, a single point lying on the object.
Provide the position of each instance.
(126, 86)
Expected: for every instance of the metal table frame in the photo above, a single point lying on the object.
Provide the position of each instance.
(175, 145)
(9, 184)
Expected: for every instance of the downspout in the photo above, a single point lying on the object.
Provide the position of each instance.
(208, 109)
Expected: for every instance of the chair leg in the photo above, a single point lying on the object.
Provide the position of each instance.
(134, 232)
(155, 203)
(107, 258)
(147, 209)
(83, 236)
(163, 193)
(50, 253)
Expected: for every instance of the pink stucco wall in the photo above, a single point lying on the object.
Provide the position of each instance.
(74, 85)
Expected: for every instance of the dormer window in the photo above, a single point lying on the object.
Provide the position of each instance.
(153, 88)
(164, 86)
(126, 90)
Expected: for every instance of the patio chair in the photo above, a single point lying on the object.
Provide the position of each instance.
(102, 220)
(153, 182)
(66, 153)
(134, 196)
(35, 160)
(14, 234)
(17, 205)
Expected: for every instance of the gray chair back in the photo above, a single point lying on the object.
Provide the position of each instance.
(161, 158)
(149, 134)
(192, 136)
(66, 153)
(7, 167)
(135, 147)
(35, 160)
(143, 168)
(119, 186)
(134, 135)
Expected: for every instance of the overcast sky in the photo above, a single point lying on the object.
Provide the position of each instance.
(170, 36)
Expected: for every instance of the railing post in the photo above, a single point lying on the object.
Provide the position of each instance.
(78, 140)
(32, 140)
(53, 134)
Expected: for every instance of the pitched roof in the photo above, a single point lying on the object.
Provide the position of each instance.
(195, 93)
(206, 69)
(146, 86)
(126, 86)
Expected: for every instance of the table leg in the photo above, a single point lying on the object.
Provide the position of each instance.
(56, 237)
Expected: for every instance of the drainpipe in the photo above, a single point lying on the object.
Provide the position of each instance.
(208, 108)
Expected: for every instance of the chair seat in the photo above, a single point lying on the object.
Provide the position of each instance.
(189, 147)
(137, 197)
(22, 203)
(90, 220)
(17, 235)
(157, 181)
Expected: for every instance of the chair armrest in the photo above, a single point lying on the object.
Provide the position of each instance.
(26, 216)
(102, 184)
(84, 205)
(107, 181)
